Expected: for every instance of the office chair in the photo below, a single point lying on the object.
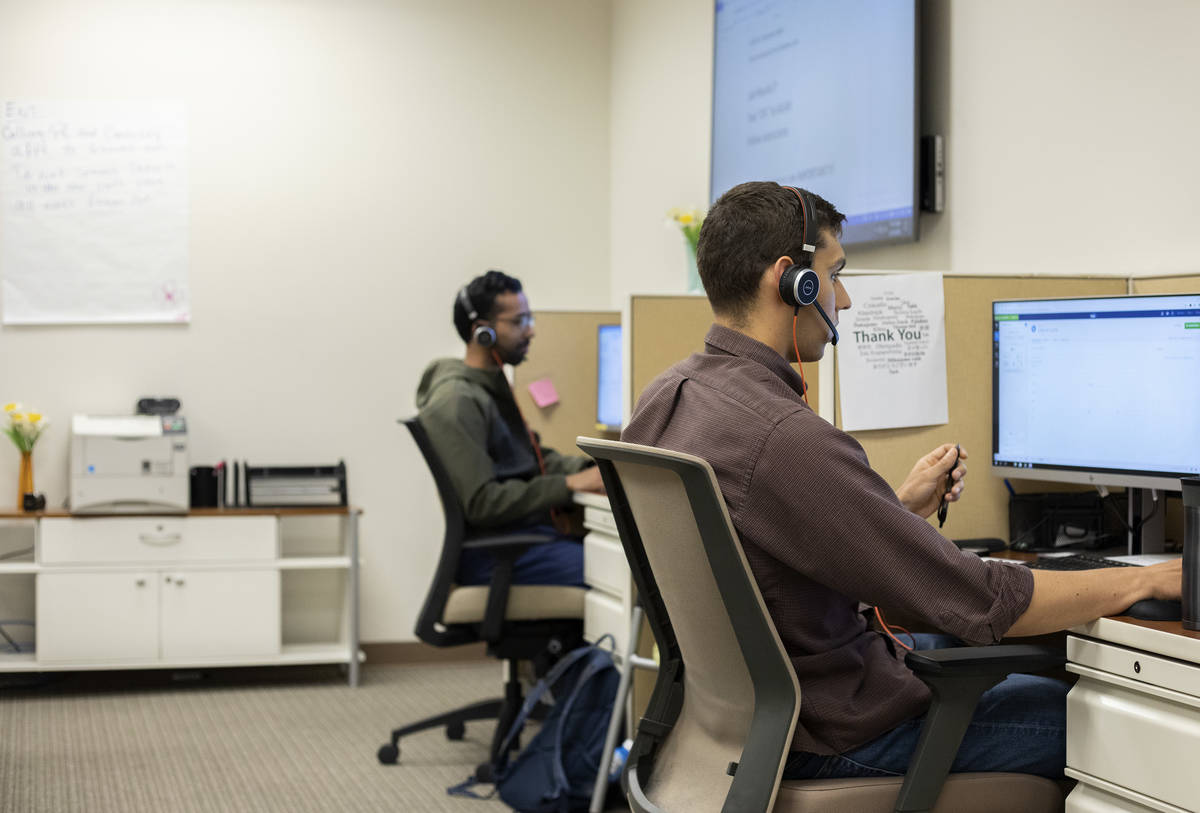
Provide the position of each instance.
(518, 622)
(719, 725)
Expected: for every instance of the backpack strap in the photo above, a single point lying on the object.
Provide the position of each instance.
(536, 694)
(594, 667)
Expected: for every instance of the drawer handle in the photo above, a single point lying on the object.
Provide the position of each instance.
(160, 539)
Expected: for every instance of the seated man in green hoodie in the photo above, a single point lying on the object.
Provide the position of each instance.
(504, 479)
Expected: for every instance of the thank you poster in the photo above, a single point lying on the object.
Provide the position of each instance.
(891, 360)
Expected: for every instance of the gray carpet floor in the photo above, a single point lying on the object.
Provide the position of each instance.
(295, 739)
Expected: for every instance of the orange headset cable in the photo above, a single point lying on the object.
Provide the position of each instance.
(799, 363)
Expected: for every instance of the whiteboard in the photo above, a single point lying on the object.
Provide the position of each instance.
(93, 212)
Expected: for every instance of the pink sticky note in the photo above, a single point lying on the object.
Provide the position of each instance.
(543, 392)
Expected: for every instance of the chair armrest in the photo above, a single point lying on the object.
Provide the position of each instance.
(496, 543)
(957, 678)
(981, 661)
(505, 549)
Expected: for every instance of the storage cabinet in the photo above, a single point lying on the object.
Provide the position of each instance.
(109, 617)
(205, 589)
(219, 613)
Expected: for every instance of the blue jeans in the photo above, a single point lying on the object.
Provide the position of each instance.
(558, 562)
(1020, 725)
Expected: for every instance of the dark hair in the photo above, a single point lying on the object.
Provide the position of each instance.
(749, 228)
(482, 292)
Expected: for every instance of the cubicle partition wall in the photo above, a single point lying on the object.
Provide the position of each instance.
(664, 329)
(564, 351)
(984, 510)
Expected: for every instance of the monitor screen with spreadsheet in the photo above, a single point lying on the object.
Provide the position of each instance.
(1101, 390)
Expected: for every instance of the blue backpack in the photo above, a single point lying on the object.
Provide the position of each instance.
(556, 771)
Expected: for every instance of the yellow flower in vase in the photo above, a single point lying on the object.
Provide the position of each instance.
(24, 427)
(688, 221)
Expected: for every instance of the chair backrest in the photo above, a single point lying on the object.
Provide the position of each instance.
(429, 627)
(740, 698)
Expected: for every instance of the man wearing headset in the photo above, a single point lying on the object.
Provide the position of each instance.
(825, 535)
(503, 477)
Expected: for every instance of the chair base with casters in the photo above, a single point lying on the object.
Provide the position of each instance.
(541, 651)
(532, 623)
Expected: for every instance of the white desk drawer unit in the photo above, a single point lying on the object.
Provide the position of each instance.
(1133, 722)
(604, 565)
(604, 614)
(609, 602)
(129, 540)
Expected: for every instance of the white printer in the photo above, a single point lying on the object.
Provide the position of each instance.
(129, 464)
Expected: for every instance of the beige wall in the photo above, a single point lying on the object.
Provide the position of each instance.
(351, 164)
(1069, 132)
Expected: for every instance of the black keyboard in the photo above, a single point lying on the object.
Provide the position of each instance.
(1077, 561)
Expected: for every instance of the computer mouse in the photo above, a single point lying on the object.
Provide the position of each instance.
(1155, 609)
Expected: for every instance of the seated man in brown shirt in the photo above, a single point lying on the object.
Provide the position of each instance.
(823, 532)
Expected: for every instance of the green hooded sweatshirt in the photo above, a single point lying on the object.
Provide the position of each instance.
(477, 431)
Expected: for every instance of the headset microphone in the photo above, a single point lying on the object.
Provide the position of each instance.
(832, 329)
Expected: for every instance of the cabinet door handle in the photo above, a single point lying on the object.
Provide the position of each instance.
(160, 539)
(140, 582)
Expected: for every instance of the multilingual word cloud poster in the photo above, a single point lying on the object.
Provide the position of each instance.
(891, 360)
(93, 212)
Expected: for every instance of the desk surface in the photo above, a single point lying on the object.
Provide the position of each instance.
(1162, 637)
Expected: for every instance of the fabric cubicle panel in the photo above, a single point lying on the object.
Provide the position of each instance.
(984, 510)
(666, 329)
(564, 350)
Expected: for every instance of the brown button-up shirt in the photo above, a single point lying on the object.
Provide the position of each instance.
(822, 532)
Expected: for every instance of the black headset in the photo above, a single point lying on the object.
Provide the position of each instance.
(799, 285)
(484, 335)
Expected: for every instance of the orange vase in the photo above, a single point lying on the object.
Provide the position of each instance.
(25, 480)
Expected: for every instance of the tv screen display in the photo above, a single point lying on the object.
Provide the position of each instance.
(821, 94)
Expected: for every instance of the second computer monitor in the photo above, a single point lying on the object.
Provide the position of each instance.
(608, 378)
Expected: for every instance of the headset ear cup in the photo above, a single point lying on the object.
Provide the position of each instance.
(787, 281)
(799, 286)
(485, 336)
(807, 287)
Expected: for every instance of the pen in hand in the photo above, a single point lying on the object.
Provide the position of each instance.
(944, 507)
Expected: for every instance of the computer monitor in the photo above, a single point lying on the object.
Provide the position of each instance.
(1104, 391)
(608, 378)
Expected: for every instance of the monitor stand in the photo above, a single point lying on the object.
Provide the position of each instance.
(1150, 537)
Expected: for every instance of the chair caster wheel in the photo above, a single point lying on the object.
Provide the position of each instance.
(485, 773)
(455, 731)
(389, 754)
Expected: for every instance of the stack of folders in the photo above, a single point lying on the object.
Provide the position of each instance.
(288, 486)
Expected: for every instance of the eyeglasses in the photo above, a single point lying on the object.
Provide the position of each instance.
(524, 321)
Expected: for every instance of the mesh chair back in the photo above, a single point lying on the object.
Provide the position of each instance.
(429, 628)
(740, 695)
